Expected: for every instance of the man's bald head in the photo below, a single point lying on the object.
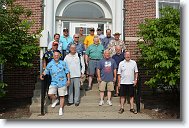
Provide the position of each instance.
(118, 49)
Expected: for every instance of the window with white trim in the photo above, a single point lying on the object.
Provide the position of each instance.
(163, 3)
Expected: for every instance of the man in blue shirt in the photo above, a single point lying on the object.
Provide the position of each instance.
(107, 39)
(65, 39)
(118, 57)
(60, 75)
(106, 77)
(80, 48)
(99, 33)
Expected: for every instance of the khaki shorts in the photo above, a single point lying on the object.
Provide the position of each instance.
(61, 91)
(102, 86)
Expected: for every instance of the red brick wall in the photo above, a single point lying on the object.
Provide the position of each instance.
(136, 12)
(36, 7)
(21, 82)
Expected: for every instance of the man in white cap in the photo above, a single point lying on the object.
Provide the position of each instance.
(113, 43)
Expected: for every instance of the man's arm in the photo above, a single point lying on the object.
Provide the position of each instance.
(44, 64)
(82, 66)
(68, 79)
(86, 59)
(115, 73)
(98, 75)
(119, 80)
(135, 78)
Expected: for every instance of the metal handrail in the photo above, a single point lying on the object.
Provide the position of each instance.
(138, 94)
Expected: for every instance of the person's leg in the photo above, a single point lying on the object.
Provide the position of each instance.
(109, 95)
(52, 91)
(70, 93)
(102, 86)
(110, 88)
(77, 91)
(90, 81)
(122, 102)
(91, 70)
(62, 92)
(61, 101)
(122, 98)
(131, 92)
(132, 102)
(101, 95)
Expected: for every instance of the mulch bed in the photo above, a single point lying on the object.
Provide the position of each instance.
(15, 108)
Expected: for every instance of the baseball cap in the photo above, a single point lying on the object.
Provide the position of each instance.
(99, 29)
(91, 29)
(117, 33)
(55, 43)
(65, 29)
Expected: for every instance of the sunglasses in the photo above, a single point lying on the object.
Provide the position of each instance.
(76, 37)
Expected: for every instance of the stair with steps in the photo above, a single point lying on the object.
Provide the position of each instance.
(88, 107)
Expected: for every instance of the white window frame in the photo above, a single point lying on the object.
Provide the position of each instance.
(163, 1)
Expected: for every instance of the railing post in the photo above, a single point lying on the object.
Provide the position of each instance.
(42, 96)
(138, 94)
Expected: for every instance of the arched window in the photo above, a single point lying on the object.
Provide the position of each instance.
(83, 10)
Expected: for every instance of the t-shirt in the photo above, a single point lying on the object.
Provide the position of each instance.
(127, 70)
(107, 68)
(89, 40)
(95, 51)
(65, 41)
(82, 38)
(118, 58)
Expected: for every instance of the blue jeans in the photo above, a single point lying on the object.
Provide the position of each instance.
(74, 91)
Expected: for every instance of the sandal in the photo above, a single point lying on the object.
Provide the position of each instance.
(133, 111)
(121, 110)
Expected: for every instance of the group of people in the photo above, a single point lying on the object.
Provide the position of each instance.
(68, 60)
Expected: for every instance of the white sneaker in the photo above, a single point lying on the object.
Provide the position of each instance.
(54, 103)
(60, 112)
(109, 102)
(101, 102)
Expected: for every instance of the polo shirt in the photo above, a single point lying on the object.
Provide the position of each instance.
(65, 41)
(106, 41)
(118, 58)
(95, 51)
(58, 73)
(80, 49)
(89, 40)
(127, 70)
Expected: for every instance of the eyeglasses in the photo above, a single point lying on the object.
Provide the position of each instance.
(76, 37)
(81, 30)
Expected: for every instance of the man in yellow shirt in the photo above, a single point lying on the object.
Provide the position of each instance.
(89, 39)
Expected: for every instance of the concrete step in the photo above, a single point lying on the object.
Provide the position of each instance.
(93, 115)
(37, 92)
(38, 85)
(83, 107)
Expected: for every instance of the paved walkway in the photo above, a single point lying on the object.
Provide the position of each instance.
(89, 109)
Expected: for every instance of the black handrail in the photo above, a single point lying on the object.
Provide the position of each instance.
(138, 94)
(43, 96)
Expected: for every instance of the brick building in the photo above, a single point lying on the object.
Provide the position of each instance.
(122, 16)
